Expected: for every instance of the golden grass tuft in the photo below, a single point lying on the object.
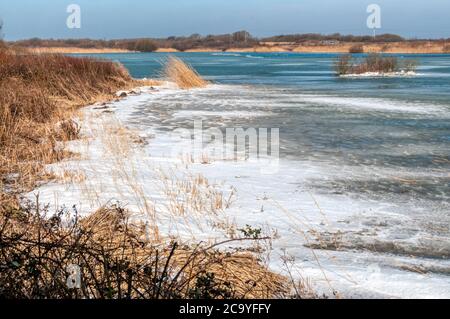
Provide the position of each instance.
(184, 75)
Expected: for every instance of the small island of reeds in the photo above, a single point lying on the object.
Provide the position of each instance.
(374, 64)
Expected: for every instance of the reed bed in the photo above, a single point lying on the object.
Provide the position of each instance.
(373, 63)
(185, 76)
(39, 95)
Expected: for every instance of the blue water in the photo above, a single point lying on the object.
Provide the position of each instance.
(383, 143)
(399, 123)
(310, 72)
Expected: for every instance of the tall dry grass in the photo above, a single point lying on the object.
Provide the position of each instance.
(177, 71)
(38, 96)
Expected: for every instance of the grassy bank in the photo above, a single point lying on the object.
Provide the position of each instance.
(243, 41)
(39, 95)
(117, 259)
(408, 47)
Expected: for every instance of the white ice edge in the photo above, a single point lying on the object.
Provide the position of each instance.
(381, 74)
(251, 207)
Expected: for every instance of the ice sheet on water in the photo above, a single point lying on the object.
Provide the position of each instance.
(301, 214)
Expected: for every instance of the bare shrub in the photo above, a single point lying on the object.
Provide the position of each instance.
(385, 48)
(144, 45)
(378, 63)
(374, 63)
(344, 64)
(116, 261)
(358, 48)
(409, 65)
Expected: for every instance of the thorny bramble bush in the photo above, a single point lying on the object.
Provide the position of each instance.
(116, 261)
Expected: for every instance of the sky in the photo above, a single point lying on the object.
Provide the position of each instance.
(114, 19)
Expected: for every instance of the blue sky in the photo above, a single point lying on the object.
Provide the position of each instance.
(110, 19)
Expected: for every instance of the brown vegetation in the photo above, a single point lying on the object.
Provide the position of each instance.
(336, 37)
(218, 42)
(89, 45)
(242, 41)
(116, 259)
(75, 50)
(38, 94)
(143, 45)
(375, 63)
(182, 74)
(358, 48)
(104, 256)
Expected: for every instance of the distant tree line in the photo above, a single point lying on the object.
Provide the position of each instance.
(300, 38)
(237, 40)
(240, 39)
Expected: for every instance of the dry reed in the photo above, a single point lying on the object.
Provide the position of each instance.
(373, 62)
(177, 71)
(38, 96)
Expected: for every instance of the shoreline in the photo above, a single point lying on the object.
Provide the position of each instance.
(113, 156)
(108, 138)
(115, 144)
(75, 50)
(133, 162)
(394, 48)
